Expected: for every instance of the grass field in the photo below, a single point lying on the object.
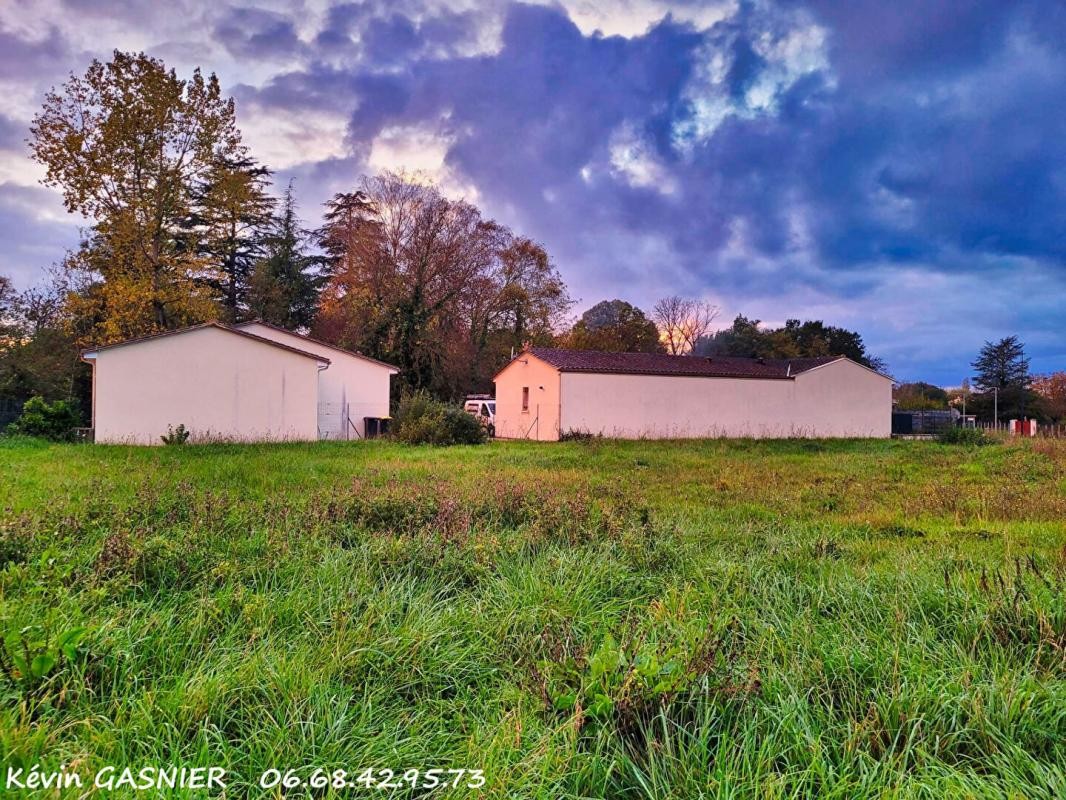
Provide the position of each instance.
(600, 620)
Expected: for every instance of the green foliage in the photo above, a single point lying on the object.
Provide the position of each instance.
(614, 326)
(919, 396)
(579, 435)
(31, 659)
(796, 339)
(231, 215)
(55, 421)
(175, 436)
(619, 687)
(285, 282)
(957, 434)
(1001, 365)
(420, 419)
(37, 356)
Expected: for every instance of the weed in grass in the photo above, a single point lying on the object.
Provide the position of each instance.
(780, 619)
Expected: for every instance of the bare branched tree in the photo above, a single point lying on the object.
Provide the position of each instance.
(682, 322)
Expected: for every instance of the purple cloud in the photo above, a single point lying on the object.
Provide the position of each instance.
(798, 158)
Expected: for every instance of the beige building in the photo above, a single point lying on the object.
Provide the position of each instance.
(546, 391)
(236, 383)
(353, 388)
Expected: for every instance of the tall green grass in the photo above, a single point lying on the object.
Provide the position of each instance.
(594, 620)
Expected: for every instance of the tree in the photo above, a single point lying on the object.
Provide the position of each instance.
(613, 326)
(38, 355)
(920, 396)
(430, 285)
(232, 214)
(1051, 390)
(519, 300)
(8, 331)
(743, 338)
(127, 143)
(683, 322)
(285, 283)
(796, 339)
(1003, 370)
(1001, 365)
(354, 305)
(815, 338)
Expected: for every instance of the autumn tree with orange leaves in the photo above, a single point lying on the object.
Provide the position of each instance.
(427, 283)
(127, 144)
(1051, 389)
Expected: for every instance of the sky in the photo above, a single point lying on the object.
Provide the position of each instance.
(898, 168)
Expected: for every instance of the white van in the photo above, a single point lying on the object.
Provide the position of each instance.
(482, 406)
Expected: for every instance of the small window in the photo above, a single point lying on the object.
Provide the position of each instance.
(525, 398)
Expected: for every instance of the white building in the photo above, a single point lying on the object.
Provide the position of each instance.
(251, 382)
(354, 386)
(544, 392)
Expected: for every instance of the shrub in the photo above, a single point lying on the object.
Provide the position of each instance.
(422, 420)
(56, 421)
(579, 435)
(966, 436)
(178, 435)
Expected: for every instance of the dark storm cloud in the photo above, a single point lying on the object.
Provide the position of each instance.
(797, 149)
(30, 58)
(254, 33)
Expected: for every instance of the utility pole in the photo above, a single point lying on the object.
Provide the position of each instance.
(995, 405)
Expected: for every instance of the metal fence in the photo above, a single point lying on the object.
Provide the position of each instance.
(912, 423)
(1043, 431)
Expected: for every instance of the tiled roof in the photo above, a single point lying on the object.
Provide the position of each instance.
(659, 364)
(202, 326)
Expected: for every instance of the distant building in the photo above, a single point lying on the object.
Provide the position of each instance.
(250, 382)
(545, 392)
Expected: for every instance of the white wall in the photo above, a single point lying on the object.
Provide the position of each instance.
(846, 399)
(841, 399)
(217, 383)
(541, 420)
(357, 384)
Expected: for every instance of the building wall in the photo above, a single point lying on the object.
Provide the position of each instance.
(844, 399)
(841, 399)
(217, 384)
(541, 421)
(351, 383)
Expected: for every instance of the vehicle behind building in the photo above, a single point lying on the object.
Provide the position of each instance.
(482, 406)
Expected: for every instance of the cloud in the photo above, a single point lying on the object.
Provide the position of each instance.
(892, 166)
(34, 236)
(255, 33)
(12, 133)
